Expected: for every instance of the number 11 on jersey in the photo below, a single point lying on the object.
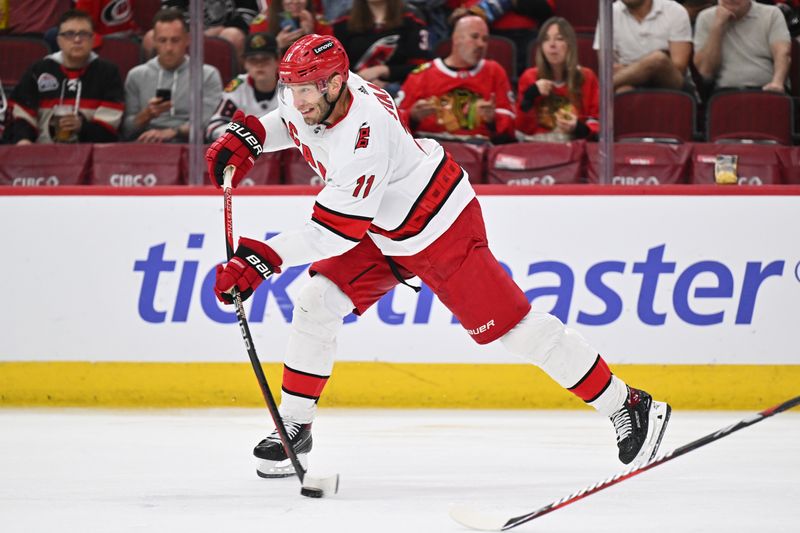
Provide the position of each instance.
(361, 181)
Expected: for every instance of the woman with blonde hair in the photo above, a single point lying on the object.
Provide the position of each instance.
(558, 100)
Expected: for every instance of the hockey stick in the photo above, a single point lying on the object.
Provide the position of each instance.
(473, 519)
(312, 487)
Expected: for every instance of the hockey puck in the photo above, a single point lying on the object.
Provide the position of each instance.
(311, 492)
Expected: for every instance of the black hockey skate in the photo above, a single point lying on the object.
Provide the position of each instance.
(640, 425)
(272, 459)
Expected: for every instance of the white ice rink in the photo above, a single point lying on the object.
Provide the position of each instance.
(191, 471)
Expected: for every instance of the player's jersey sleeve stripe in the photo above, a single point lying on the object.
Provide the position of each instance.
(350, 227)
(441, 185)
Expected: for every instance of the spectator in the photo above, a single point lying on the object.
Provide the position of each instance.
(462, 97)
(4, 114)
(333, 9)
(493, 10)
(558, 99)
(384, 39)
(253, 92)
(229, 19)
(288, 20)
(157, 92)
(652, 45)
(740, 43)
(109, 17)
(71, 95)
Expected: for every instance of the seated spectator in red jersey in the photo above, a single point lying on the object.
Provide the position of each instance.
(288, 20)
(71, 95)
(558, 99)
(463, 97)
(384, 39)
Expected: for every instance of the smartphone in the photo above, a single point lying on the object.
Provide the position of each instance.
(164, 94)
(288, 22)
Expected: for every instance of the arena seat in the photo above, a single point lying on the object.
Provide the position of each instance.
(642, 163)
(17, 53)
(267, 170)
(221, 54)
(750, 115)
(658, 114)
(533, 163)
(44, 164)
(582, 14)
(758, 164)
(125, 52)
(470, 156)
(500, 49)
(296, 171)
(137, 165)
(143, 13)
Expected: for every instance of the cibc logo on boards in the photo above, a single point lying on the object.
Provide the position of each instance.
(650, 285)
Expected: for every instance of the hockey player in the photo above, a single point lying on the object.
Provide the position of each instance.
(254, 91)
(392, 207)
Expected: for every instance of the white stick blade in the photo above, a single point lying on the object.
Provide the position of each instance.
(478, 520)
(328, 485)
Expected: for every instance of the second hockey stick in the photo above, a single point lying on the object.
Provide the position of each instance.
(473, 519)
(311, 486)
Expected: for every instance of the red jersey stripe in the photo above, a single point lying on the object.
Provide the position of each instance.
(350, 227)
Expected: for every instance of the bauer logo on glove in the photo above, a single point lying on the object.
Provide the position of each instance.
(239, 146)
(252, 263)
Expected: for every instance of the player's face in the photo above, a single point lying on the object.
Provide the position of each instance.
(309, 101)
(554, 46)
(262, 67)
(75, 37)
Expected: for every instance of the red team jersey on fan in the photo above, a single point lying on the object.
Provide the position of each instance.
(380, 182)
(456, 93)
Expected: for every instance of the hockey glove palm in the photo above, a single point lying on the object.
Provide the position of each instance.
(240, 146)
(253, 262)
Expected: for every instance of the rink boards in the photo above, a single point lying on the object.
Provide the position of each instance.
(108, 299)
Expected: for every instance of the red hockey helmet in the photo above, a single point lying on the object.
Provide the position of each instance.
(314, 58)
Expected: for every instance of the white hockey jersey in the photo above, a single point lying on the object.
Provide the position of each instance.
(380, 182)
(238, 94)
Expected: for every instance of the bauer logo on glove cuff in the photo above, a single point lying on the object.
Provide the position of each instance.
(264, 269)
(247, 137)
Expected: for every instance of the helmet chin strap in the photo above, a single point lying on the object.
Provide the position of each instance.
(331, 105)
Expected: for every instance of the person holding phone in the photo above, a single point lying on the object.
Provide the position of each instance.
(288, 20)
(157, 92)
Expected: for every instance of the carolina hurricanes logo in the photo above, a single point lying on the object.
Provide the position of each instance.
(116, 12)
(379, 53)
(363, 137)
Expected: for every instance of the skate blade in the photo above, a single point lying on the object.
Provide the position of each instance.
(278, 469)
(656, 427)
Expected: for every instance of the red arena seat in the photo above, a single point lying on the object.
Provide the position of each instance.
(124, 52)
(582, 14)
(296, 171)
(137, 165)
(44, 164)
(220, 53)
(470, 156)
(267, 170)
(750, 115)
(144, 11)
(536, 163)
(657, 114)
(643, 163)
(757, 164)
(17, 54)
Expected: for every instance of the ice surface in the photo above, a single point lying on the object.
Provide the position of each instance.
(174, 471)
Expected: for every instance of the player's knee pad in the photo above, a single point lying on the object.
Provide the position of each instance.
(320, 308)
(534, 337)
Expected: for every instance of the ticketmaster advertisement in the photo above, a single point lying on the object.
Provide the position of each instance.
(647, 279)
